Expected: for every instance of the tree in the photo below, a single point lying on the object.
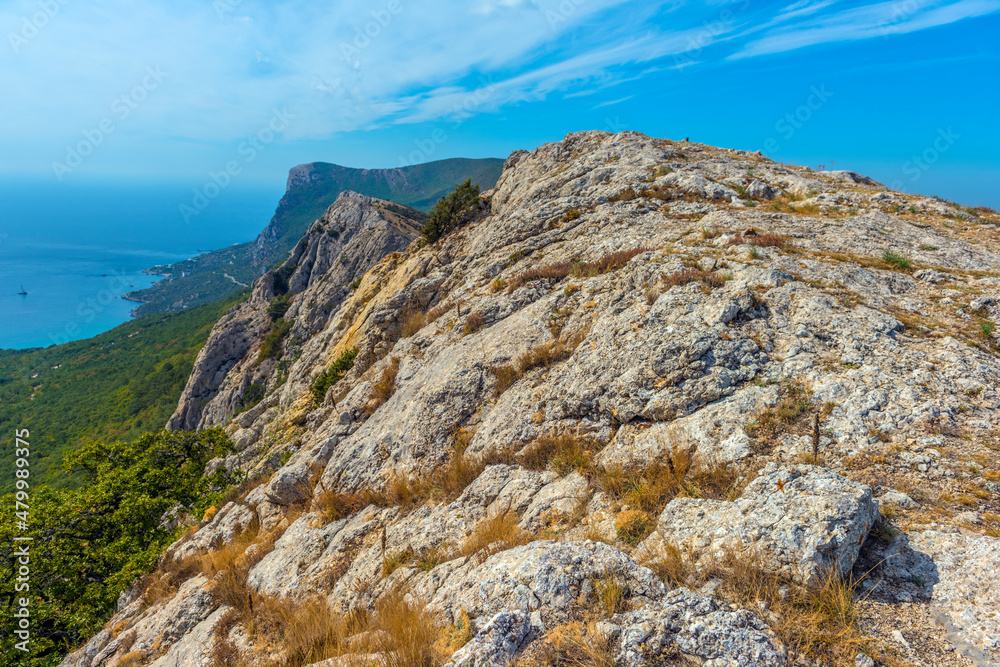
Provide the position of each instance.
(448, 212)
(90, 544)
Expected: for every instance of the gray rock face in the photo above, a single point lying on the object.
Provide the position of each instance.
(803, 520)
(698, 627)
(547, 577)
(760, 190)
(496, 644)
(352, 236)
(965, 588)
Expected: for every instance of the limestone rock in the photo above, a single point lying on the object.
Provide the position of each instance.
(699, 627)
(803, 520)
(496, 643)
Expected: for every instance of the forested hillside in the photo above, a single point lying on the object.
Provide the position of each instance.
(115, 385)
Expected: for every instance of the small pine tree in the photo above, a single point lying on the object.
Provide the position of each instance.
(448, 210)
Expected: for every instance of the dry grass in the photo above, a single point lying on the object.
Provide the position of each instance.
(444, 483)
(473, 323)
(506, 376)
(132, 659)
(709, 279)
(493, 535)
(308, 631)
(767, 240)
(405, 633)
(790, 415)
(609, 262)
(413, 322)
(335, 506)
(671, 564)
(162, 583)
(818, 621)
(384, 387)
(610, 595)
(675, 474)
(543, 355)
(437, 311)
(632, 526)
(646, 489)
(562, 452)
(576, 645)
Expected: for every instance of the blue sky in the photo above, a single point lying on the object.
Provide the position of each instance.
(116, 90)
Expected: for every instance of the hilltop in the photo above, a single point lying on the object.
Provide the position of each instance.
(648, 402)
(310, 189)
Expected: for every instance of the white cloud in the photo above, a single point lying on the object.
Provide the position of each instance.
(868, 21)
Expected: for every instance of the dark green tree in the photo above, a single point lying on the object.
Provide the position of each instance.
(90, 544)
(449, 211)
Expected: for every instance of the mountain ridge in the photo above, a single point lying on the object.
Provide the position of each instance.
(650, 402)
(310, 189)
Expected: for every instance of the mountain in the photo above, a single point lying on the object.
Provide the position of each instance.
(310, 189)
(647, 402)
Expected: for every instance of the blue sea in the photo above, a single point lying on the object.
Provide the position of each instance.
(76, 249)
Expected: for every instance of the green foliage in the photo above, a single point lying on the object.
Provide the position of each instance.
(332, 375)
(254, 395)
(896, 259)
(115, 385)
(91, 543)
(356, 283)
(448, 211)
(270, 347)
(279, 306)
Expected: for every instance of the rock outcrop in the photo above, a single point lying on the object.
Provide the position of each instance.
(803, 521)
(354, 234)
(631, 343)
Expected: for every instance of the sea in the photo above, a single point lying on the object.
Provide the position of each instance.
(77, 248)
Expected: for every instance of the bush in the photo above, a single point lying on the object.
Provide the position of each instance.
(332, 374)
(279, 306)
(896, 259)
(253, 395)
(270, 347)
(448, 212)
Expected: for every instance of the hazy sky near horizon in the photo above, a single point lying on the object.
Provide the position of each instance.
(907, 91)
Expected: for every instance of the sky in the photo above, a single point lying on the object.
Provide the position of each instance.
(241, 90)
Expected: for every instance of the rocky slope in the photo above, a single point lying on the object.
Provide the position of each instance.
(353, 235)
(651, 405)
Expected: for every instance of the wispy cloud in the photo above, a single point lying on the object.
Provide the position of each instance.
(866, 22)
(377, 63)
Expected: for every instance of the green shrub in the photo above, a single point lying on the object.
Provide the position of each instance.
(894, 258)
(253, 395)
(448, 211)
(270, 347)
(332, 375)
(356, 283)
(279, 306)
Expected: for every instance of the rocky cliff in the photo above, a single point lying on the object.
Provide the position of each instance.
(231, 372)
(655, 403)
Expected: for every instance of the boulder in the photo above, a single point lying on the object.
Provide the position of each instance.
(803, 521)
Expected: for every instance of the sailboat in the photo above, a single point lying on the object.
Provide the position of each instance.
(22, 292)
